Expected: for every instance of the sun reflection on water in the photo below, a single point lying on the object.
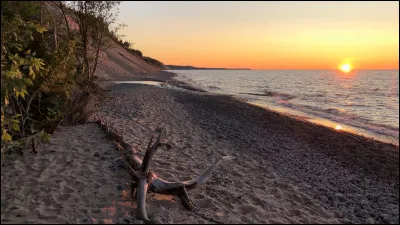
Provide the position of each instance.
(338, 127)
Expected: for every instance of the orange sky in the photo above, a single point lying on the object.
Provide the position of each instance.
(266, 35)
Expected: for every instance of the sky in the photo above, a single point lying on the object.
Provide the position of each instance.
(265, 35)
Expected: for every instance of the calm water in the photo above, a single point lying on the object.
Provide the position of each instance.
(364, 102)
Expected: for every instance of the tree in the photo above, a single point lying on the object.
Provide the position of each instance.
(90, 22)
(94, 19)
(126, 45)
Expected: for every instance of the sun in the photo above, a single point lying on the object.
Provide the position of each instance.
(345, 68)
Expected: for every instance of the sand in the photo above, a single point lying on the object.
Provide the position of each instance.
(284, 170)
(77, 178)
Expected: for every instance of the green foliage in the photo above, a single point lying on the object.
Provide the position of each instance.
(47, 64)
(153, 61)
(136, 52)
(127, 46)
(37, 75)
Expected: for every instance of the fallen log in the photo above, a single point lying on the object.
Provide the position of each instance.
(144, 180)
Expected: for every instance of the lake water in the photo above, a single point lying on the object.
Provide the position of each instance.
(364, 101)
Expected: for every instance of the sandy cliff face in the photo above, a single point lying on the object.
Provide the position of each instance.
(116, 62)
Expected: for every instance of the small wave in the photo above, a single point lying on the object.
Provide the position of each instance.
(247, 93)
(213, 87)
(314, 95)
(344, 117)
(341, 95)
(335, 111)
(285, 97)
(354, 105)
(280, 96)
(332, 111)
(384, 126)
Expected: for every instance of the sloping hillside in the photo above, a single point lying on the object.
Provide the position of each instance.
(117, 63)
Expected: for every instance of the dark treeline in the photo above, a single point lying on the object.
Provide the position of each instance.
(129, 47)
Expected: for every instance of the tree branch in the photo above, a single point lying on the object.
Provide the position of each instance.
(145, 180)
(28, 106)
(149, 155)
(54, 24)
(68, 30)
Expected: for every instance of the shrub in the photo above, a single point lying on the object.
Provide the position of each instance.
(47, 69)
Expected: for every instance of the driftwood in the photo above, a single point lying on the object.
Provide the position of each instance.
(145, 180)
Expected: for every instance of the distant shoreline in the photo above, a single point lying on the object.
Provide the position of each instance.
(175, 67)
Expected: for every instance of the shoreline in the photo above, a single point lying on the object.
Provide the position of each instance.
(346, 174)
(308, 118)
(331, 124)
(315, 119)
(170, 78)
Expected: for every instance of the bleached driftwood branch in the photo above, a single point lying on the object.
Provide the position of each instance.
(145, 180)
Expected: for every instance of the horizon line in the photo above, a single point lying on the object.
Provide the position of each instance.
(239, 68)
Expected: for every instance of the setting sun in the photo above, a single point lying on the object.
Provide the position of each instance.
(345, 68)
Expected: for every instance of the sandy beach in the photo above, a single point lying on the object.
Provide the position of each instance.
(284, 170)
(77, 178)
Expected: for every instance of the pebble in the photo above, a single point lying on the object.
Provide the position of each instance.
(324, 199)
(339, 196)
(370, 221)
(96, 154)
(396, 220)
(386, 218)
(336, 204)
